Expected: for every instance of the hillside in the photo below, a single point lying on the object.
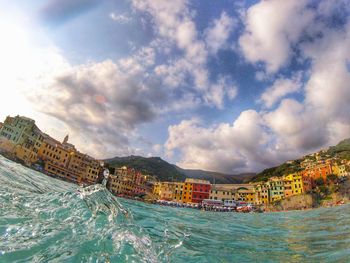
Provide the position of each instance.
(341, 150)
(169, 172)
(152, 165)
(276, 171)
(219, 177)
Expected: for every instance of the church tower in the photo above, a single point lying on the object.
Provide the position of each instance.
(65, 139)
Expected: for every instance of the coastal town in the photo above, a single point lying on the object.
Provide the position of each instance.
(22, 141)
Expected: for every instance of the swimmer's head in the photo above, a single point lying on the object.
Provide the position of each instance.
(106, 173)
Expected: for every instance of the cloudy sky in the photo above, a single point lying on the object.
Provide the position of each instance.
(228, 86)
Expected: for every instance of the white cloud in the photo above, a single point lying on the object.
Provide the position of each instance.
(328, 88)
(271, 29)
(173, 22)
(281, 88)
(257, 140)
(120, 18)
(227, 148)
(217, 34)
(102, 103)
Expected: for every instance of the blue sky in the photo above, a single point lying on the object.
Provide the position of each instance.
(228, 86)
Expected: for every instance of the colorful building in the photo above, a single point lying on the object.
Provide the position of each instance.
(318, 170)
(287, 183)
(167, 191)
(200, 190)
(92, 170)
(52, 151)
(21, 138)
(221, 192)
(245, 194)
(156, 188)
(308, 183)
(276, 189)
(187, 191)
(121, 181)
(17, 128)
(262, 193)
(339, 170)
(178, 192)
(297, 183)
(127, 181)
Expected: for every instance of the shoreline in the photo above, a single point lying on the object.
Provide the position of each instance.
(257, 208)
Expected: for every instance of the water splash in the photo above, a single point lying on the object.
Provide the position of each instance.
(46, 220)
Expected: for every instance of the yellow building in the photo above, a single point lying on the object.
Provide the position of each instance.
(246, 194)
(166, 190)
(27, 155)
(339, 170)
(24, 136)
(52, 150)
(297, 183)
(288, 182)
(156, 188)
(178, 190)
(262, 193)
(61, 171)
(92, 170)
(121, 182)
(343, 171)
(187, 191)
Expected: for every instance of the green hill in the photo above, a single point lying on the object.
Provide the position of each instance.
(342, 149)
(216, 177)
(278, 171)
(153, 165)
(165, 171)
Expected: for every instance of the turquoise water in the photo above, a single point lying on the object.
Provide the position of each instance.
(46, 220)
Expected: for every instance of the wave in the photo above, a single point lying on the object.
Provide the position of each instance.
(43, 219)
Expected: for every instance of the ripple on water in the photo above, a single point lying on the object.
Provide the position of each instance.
(46, 220)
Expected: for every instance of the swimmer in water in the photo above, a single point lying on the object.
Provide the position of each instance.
(103, 174)
(102, 179)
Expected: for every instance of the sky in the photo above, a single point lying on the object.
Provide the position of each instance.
(227, 86)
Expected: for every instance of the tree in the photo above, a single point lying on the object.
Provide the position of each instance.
(332, 178)
(319, 182)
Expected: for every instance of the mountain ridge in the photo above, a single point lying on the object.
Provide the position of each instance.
(170, 172)
(341, 150)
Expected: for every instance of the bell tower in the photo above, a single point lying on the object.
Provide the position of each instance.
(65, 139)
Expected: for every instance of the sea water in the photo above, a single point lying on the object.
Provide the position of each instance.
(43, 219)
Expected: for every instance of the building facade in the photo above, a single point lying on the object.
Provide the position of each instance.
(178, 192)
(200, 190)
(221, 193)
(276, 189)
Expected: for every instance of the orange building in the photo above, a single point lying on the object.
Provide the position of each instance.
(308, 182)
(187, 191)
(52, 151)
(288, 182)
(321, 170)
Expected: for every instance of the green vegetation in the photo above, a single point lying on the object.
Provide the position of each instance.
(168, 172)
(285, 168)
(165, 171)
(153, 166)
(342, 150)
